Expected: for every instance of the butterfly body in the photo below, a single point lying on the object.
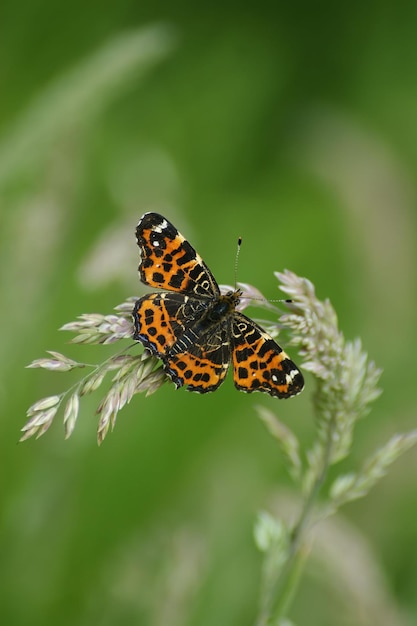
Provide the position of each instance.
(196, 330)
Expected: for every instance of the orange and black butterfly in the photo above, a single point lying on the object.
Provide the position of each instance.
(194, 329)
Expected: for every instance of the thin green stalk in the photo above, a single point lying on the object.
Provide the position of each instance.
(298, 549)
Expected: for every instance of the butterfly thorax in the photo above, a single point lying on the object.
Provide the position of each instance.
(221, 308)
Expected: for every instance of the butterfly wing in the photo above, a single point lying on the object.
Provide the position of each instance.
(168, 325)
(160, 319)
(169, 262)
(200, 361)
(259, 364)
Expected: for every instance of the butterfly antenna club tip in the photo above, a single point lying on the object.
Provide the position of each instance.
(239, 243)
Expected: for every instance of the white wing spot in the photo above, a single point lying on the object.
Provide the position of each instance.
(292, 375)
(162, 226)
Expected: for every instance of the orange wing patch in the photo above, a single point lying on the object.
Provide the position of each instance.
(153, 324)
(198, 373)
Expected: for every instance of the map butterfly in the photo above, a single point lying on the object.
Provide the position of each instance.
(194, 329)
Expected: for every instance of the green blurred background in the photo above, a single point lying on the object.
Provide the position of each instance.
(293, 125)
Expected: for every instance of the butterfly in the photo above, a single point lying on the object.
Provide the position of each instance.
(195, 330)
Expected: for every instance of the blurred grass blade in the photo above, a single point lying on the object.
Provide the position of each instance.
(352, 486)
(286, 439)
(81, 93)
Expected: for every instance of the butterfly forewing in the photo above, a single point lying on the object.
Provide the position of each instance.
(169, 262)
(259, 363)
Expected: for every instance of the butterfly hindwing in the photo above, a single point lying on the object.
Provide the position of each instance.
(162, 318)
(203, 366)
(168, 326)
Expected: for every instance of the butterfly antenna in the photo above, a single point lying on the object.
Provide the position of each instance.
(239, 243)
